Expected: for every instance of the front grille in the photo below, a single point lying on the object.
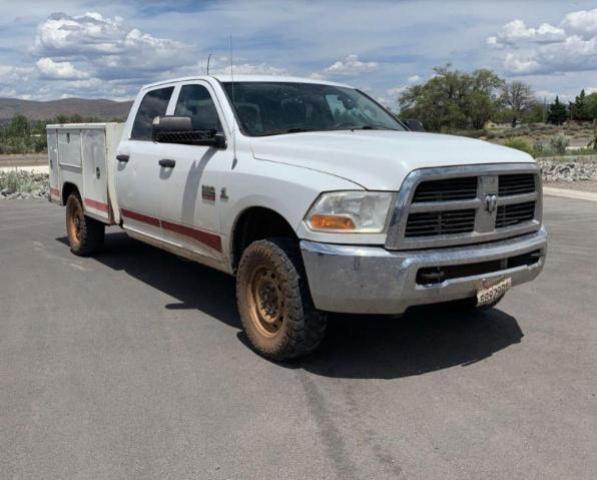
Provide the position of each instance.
(516, 184)
(440, 223)
(446, 190)
(510, 215)
(453, 206)
(434, 275)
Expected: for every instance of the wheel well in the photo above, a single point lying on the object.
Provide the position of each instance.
(67, 189)
(257, 223)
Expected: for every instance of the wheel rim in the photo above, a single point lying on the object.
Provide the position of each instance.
(74, 224)
(267, 306)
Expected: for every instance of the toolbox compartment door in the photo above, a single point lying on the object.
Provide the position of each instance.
(95, 175)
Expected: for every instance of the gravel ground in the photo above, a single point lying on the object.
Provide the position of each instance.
(585, 186)
(131, 365)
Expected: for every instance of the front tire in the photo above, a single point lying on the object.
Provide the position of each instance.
(273, 300)
(85, 234)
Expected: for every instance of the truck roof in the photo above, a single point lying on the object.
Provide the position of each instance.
(248, 78)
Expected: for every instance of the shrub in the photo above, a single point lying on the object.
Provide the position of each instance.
(519, 144)
(538, 148)
(21, 181)
(558, 144)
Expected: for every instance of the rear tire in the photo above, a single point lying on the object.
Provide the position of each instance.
(85, 234)
(274, 303)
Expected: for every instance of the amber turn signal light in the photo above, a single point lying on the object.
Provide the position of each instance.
(331, 222)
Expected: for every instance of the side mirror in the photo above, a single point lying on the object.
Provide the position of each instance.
(414, 125)
(174, 129)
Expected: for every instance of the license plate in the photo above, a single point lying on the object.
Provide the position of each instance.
(489, 294)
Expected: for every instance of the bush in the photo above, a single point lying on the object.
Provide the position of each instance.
(538, 148)
(519, 144)
(22, 181)
(558, 144)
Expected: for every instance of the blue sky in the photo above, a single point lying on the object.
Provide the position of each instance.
(53, 49)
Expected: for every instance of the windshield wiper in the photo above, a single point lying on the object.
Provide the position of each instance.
(290, 130)
(373, 127)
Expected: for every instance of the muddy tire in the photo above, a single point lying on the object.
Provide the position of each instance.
(274, 303)
(85, 234)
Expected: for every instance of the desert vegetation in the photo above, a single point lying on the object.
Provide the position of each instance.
(481, 104)
(21, 135)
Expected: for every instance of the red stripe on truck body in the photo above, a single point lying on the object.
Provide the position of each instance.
(209, 239)
(101, 206)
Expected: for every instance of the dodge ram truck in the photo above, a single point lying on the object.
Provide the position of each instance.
(315, 197)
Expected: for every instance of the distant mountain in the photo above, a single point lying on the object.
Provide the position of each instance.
(34, 110)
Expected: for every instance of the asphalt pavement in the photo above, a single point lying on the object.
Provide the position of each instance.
(131, 365)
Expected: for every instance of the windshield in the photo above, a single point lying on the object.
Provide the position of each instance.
(269, 108)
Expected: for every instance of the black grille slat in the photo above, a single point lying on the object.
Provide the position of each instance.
(516, 184)
(440, 223)
(510, 215)
(446, 190)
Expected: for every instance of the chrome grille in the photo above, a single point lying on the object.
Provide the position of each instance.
(509, 215)
(448, 206)
(445, 190)
(516, 184)
(440, 223)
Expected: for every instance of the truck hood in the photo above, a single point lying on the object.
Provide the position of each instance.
(378, 160)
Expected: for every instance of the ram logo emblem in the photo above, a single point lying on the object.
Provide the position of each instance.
(490, 203)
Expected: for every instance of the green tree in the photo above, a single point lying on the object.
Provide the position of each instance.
(452, 99)
(18, 127)
(557, 113)
(579, 109)
(535, 114)
(519, 97)
(591, 105)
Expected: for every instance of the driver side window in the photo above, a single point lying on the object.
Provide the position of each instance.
(195, 101)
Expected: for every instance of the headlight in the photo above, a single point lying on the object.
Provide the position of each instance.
(350, 212)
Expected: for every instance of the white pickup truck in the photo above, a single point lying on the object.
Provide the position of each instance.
(313, 195)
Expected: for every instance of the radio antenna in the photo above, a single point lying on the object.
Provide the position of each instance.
(231, 67)
(233, 100)
(207, 68)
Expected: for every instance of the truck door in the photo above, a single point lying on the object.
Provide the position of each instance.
(192, 188)
(55, 190)
(94, 173)
(138, 175)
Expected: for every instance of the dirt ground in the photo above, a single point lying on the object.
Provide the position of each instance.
(25, 160)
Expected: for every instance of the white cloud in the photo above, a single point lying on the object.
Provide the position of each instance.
(414, 79)
(351, 65)
(583, 22)
(570, 47)
(104, 46)
(516, 31)
(49, 69)
(396, 91)
(221, 65)
(10, 75)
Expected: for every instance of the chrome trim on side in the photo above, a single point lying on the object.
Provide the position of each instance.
(364, 279)
(396, 239)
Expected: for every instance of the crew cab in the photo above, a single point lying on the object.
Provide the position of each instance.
(315, 197)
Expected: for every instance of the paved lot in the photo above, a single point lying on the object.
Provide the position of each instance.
(131, 365)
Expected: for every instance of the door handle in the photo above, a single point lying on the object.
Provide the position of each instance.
(167, 163)
(122, 158)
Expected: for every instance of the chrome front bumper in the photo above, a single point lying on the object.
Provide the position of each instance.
(359, 279)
